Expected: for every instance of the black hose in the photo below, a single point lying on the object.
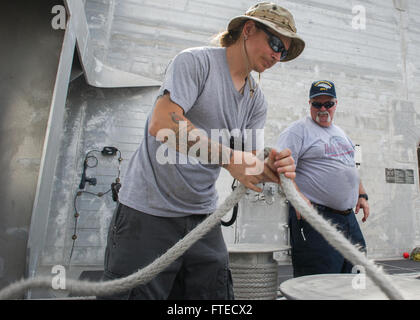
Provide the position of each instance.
(235, 211)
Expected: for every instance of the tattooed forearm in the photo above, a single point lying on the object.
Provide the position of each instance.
(214, 152)
(182, 127)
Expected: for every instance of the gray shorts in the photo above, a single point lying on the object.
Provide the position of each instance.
(136, 239)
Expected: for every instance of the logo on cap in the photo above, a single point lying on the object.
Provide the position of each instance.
(322, 87)
(324, 84)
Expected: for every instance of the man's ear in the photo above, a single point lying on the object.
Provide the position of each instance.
(249, 28)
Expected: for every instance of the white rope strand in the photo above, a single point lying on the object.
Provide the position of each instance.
(140, 277)
(339, 241)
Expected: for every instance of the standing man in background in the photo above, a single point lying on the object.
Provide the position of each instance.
(327, 177)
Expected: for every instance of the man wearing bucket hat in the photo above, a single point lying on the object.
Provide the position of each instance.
(204, 88)
(275, 21)
(326, 175)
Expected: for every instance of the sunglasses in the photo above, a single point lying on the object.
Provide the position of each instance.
(275, 43)
(327, 105)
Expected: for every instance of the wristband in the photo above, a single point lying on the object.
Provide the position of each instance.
(364, 195)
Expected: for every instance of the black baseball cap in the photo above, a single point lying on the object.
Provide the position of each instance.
(321, 88)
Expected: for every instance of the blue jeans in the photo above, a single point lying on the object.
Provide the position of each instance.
(312, 254)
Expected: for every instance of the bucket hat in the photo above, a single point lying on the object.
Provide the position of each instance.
(280, 22)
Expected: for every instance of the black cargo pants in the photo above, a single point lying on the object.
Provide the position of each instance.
(135, 239)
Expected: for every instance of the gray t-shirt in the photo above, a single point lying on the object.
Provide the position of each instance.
(199, 81)
(325, 168)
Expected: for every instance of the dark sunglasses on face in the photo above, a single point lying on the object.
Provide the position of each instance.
(275, 43)
(327, 105)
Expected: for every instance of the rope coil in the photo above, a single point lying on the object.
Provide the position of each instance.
(254, 281)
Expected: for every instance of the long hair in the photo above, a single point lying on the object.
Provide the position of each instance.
(228, 37)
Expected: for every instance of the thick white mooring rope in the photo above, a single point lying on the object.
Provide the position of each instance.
(140, 277)
(336, 239)
(330, 233)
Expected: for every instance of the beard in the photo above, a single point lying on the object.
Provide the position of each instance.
(323, 113)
